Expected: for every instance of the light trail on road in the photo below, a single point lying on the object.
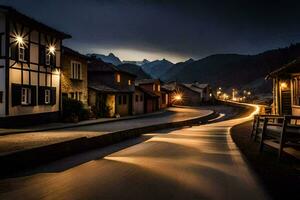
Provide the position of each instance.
(199, 162)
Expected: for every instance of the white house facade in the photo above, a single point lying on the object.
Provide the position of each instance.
(30, 62)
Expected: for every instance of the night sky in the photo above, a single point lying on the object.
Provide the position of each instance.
(172, 29)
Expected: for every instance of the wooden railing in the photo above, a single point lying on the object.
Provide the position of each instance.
(282, 133)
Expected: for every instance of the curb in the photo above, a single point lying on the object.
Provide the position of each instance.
(82, 124)
(36, 156)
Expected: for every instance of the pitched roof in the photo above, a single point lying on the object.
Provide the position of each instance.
(107, 89)
(30, 22)
(67, 50)
(292, 67)
(147, 92)
(146, 81)
(97, 65)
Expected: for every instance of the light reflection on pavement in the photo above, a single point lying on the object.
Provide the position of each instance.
(199, 162)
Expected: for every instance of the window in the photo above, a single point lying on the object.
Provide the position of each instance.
(129, 82)
(26, 96)
(76, 96)
(124, 99)
(136, 98)
(158, 88)
(118, 78)
(120, 100)
(21, 53)
(1, 97)
(141, 98)
(76, 70)
(47, 97)
(153, 87)
(296, 91)
(48, 58)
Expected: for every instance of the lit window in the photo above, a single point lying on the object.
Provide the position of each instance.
(129, 82)
(26, 96)
(158, 88)
(21, 53)
(118, 78)
(153, 87)
(76, 95)
(47, 96)
(76, 70)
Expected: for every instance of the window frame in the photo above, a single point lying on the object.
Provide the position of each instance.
(47, 96)
(21, 51)
(76, 70)
(25, 96)
(48, 59)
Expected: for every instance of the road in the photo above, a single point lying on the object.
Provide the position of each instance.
(199, 162)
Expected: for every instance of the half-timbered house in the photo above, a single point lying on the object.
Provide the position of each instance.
(30, 61)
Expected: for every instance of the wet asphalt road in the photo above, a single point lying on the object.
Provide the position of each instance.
(199, 162)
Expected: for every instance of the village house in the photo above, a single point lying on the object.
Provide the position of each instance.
(286, 89)
(166, 100)
(30, 63)
(74, 79)
(152, 92)
(110, 89)
(192, 94)
(138, 101)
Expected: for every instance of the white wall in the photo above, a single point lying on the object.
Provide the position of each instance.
(15, 77)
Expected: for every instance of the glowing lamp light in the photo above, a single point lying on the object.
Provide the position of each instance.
(52, 49)
(283, 85)
(178, 97)
(19, 39)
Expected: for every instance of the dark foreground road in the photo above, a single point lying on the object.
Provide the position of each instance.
(198, 162)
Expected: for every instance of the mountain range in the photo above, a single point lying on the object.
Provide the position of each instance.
(219, 70)
(134, 69)
(233, 70)
(110, 58)
(157, 68)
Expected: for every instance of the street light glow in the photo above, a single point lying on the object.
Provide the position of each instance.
(178, 97)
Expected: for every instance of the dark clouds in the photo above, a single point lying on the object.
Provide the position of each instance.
(186, 28)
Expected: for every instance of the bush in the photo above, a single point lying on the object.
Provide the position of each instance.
(73, 110)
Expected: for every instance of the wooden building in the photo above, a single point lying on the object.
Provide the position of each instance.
(166, 100)
(110, 89)
(138, 101)
(192, 94)
(286, 89)
(30, 63)
(152, 92)
(74, 78)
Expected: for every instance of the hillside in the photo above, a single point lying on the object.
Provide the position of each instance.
(157, 67)
(232, 70)
(134, 69)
